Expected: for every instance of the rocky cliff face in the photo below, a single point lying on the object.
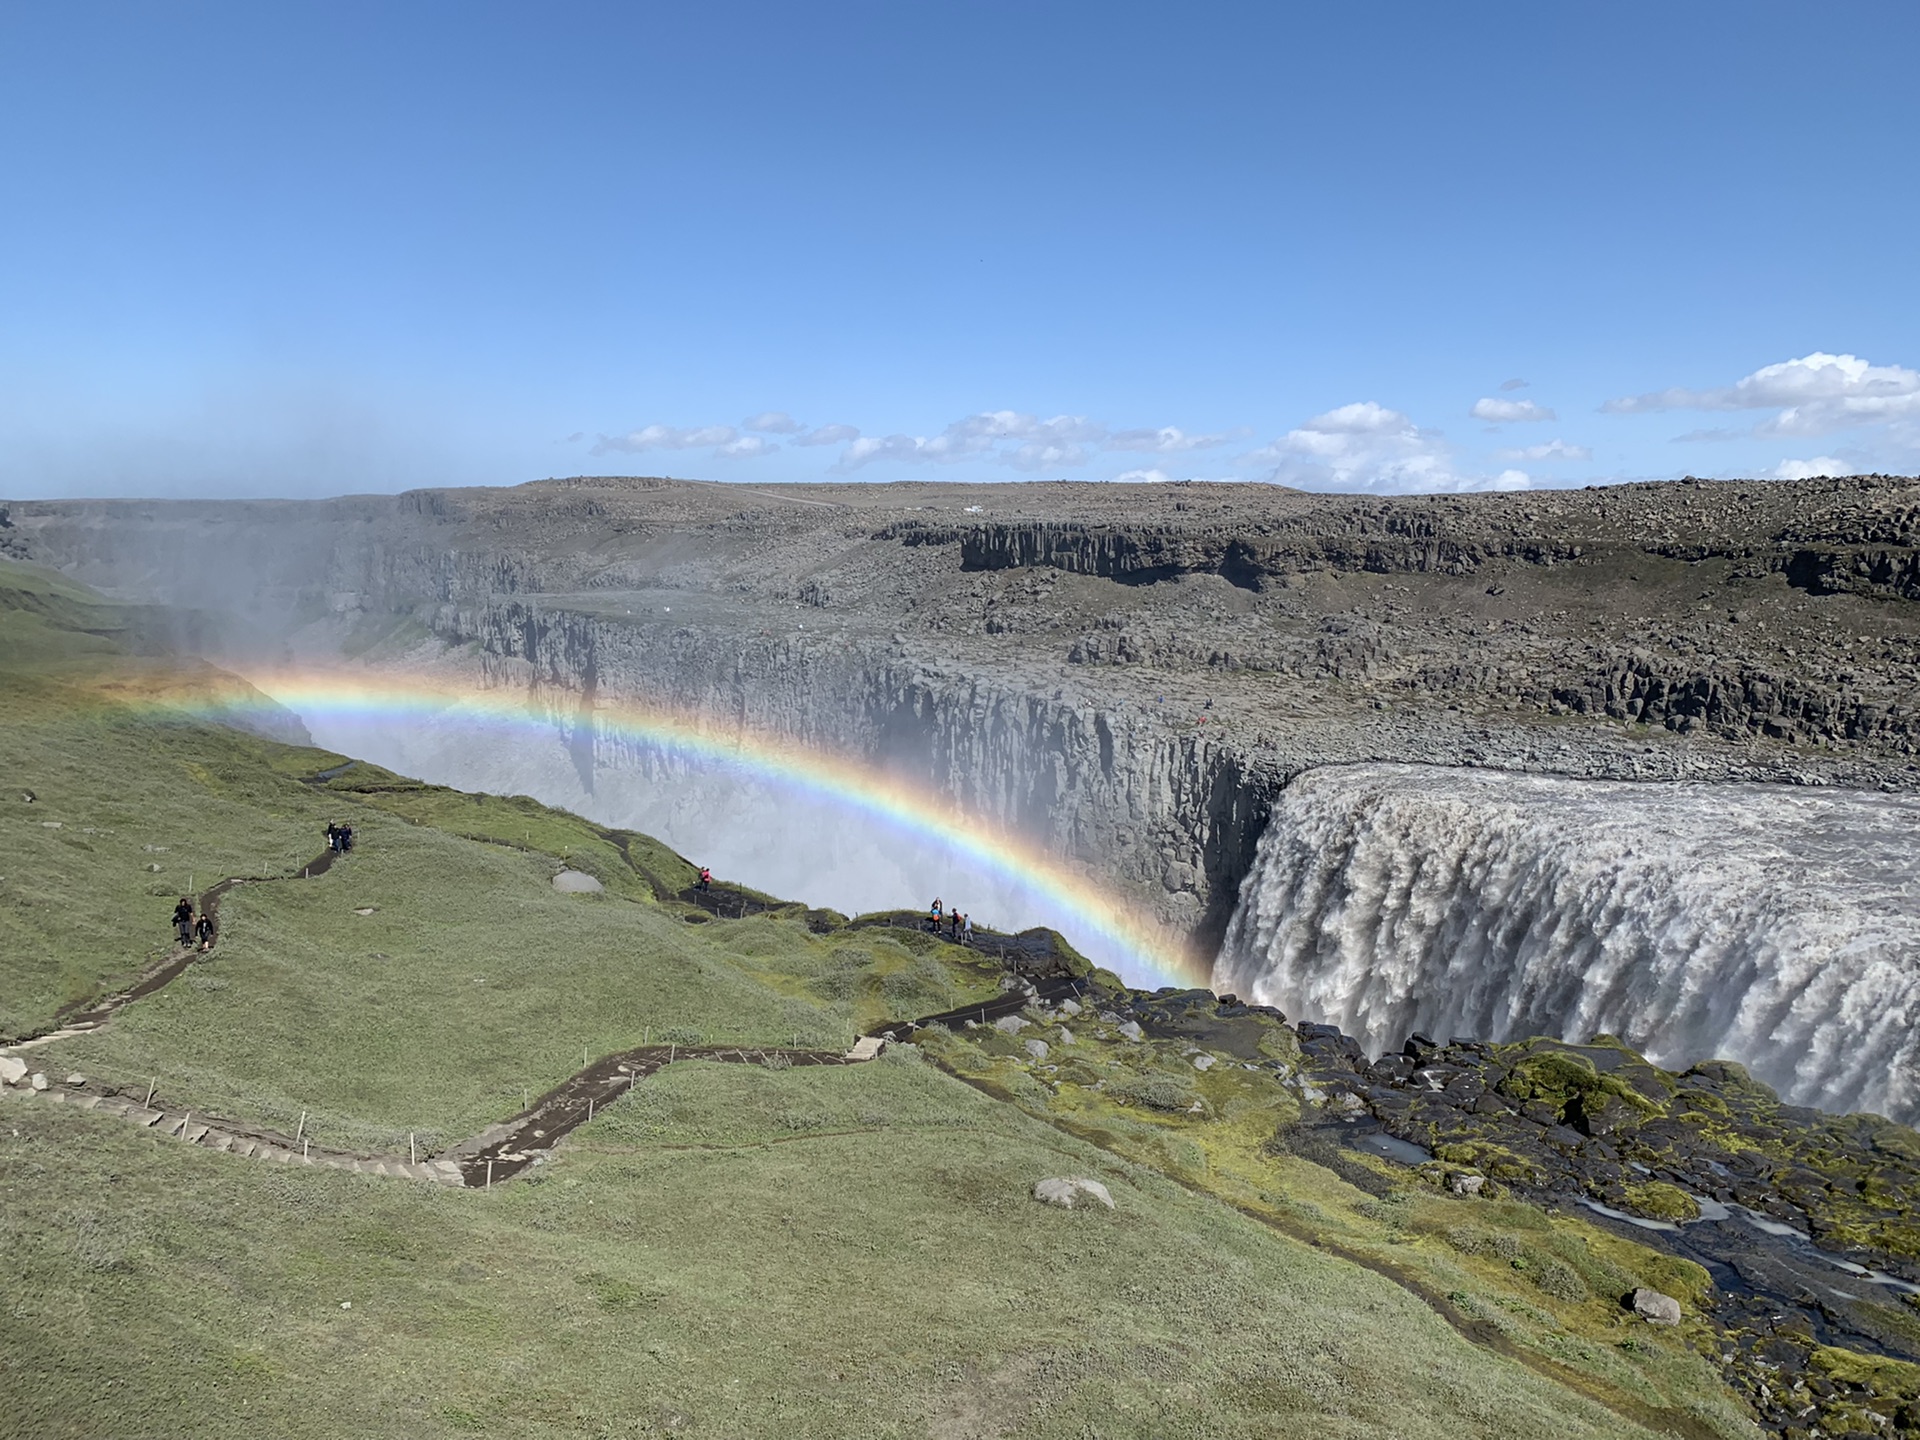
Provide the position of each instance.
(1175, 816)
(1131, 673)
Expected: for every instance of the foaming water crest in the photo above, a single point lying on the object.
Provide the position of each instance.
(1772, 925)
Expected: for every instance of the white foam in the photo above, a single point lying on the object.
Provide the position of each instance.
(1773, 925)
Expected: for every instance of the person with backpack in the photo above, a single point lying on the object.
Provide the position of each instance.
(183, 920)
(203, 932)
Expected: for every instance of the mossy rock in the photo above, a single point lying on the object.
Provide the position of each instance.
(1658, 1200)
(1494, 1160)
(1883, 1375)
(1576, 1090)
(1729, 1075)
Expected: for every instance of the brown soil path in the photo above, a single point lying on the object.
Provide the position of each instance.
(497, 1153)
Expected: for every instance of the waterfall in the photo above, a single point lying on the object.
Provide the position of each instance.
(1773, 925)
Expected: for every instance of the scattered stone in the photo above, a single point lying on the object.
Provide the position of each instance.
(1067, 1193)
(576, 882)
(1011, 1024)
(153, 869)
(369, 909)
(1066, 1036)
(76, 1080)
(50, 824)
(12, 1070)
(1070, 1006)
(1037, 1049)
(1133, 1031)
(39, 1081)
(1203, 1062)
(1655, 1308)
(1464, 1184)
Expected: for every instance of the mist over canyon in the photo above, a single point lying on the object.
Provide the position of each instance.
(1677, 724)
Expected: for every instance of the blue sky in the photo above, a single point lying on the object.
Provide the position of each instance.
(304, 249)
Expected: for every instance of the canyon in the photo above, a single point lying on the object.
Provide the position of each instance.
(1136, 676)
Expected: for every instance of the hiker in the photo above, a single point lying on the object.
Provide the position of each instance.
(346, 838)
(706, 879)
(183, 920)
(203, 932)
(953, 923)
(966, 929)
(333, 837)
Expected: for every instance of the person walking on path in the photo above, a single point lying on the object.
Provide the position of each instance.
(333, 837)
(966, 929)
(203, 932)
(183, 920)
(705, 882)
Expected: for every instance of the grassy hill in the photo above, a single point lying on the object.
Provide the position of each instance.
(727, 1251)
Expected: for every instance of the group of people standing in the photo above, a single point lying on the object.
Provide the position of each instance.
(193, 930)
(959, 927)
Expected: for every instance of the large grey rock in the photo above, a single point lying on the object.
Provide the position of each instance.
(1203, 1062)
(575, 882)
(12, 1069)
(39, 1081)
(1011, 1024)
(1133, 1031)
(1067, 1193)
(1655, 1308)
(1037, 1049)
(1463, 1184)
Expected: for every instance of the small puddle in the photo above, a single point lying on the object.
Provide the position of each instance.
(1389, 1147)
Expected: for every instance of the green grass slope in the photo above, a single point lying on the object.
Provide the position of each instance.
(726, 1252)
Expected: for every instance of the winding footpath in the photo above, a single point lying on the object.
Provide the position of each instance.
(497, 1153)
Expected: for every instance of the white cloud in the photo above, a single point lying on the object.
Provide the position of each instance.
(1809, 469)
(1709, 437)
(1551, 450)
(1509, 412)
(747, 447)
(1169, 440)
(773, 422)
(665, 437)
(1513, 385)
(829, 435)
(1363, 446)
(1155, 476)
(1046, 455)
(1057, 442)
(1814, 395)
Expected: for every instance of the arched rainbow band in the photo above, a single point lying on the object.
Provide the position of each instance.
(1143, 948)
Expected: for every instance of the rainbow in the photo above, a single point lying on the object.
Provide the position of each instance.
(1139, 946)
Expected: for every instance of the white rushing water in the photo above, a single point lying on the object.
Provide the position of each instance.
(1773, 925)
